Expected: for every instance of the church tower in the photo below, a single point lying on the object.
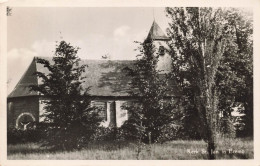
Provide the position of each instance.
(159, 40)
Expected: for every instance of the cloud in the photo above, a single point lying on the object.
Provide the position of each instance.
(18, 60)
(121, 31)
(43, 48)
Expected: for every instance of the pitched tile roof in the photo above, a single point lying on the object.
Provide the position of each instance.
(21, 88)
(105, 77)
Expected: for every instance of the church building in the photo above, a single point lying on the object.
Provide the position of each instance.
(109, 87)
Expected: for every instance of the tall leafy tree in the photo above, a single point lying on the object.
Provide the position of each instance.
(68, 113)
(235, 75)
(200, 37)
(151, 113)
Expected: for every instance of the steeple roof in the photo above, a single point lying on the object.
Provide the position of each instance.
(156, 33)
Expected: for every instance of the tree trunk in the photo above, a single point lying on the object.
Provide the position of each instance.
(211, 147)
(206, 114)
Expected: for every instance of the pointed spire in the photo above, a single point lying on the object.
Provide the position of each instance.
(156, 33)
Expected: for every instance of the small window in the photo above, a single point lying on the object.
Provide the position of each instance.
(102, 107)
(161, 50)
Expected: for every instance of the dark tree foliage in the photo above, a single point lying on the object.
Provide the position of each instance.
(235, 74)
(68, 114)
(200, 37)
(189, 119)
(151, 113)
(212, 63)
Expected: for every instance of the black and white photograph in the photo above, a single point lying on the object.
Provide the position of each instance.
(130, 83)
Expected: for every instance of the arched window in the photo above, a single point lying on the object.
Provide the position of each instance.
(25, 121)
(10, 106)
(161, 50)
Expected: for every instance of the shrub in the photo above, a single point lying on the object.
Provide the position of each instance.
(16, 136)
(108, 134)
(169, 133)
(227, 128)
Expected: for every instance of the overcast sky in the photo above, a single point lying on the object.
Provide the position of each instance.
(97, 31)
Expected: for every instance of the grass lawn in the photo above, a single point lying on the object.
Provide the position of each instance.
(174, 150)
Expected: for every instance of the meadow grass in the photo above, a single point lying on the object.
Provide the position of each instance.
(173, 150)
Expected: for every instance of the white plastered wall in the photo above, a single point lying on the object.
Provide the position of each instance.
(121, 114)
(107, 121)
(164, 61)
